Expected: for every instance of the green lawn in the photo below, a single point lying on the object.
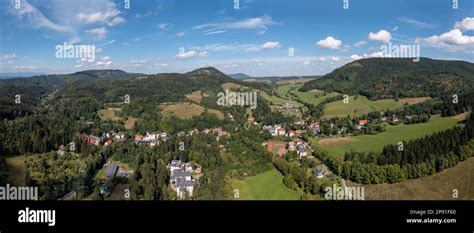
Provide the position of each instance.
(308, 97)
(392, 135)
(358, 107)
(264, 186)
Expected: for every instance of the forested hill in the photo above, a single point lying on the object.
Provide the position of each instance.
(379, 78)
(106, 86)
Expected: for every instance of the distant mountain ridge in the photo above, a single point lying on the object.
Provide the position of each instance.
(379, 78)
(240, 76)
(19, 75)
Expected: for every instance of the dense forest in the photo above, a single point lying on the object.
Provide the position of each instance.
(385, 78)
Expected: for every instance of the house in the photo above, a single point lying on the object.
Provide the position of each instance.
(181, 179)
(281, 131)
(363, 122)
(108, 142)
(230, 116)
(61, 149)
(394, 118)
(301, 150)
(164, 136)
(206, 131)
(111, 171)
(383, 119)
(181, 134)
(291, 133)
(138, 137)
(91, 139)
(318, 173)
(119, 137)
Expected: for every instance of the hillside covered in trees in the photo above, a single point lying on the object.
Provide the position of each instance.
(385, 78)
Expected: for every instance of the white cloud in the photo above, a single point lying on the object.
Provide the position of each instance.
(453, 37)
(185, 55)
(8, 58)
(306, 63)
(165, 26)
(100, 32)
(179, 34)
(104, 61)
(110, 16)
(334, 59)
(258, 23)
(271, 45)
(382, 36)
(33, 16)
(355, 57)
(466, 24)
(203, 54)
(415, 22)
(329, 43)
(360, 43)
(229, 47)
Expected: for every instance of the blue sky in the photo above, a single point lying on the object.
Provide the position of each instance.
(182, 35)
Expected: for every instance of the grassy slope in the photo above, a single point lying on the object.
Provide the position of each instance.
(308, 97)
(358, 107)
(436, 187)
(264, 186)
(392, 135)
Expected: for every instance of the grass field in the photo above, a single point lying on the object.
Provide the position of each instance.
(265, 186)
(16, 171)
(358, 106)
(392, 135)
(362, 105)
(195, 96)
(185, 110)
(436, 187)
(111, 113)
(308, 97)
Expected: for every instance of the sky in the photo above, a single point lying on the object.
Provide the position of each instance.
(255, 37)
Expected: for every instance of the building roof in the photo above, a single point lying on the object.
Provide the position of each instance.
(111, 170)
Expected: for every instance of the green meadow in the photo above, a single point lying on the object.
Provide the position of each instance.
(264, 186)
(392, 135)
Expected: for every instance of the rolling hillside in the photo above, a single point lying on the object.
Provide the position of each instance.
(387, 78)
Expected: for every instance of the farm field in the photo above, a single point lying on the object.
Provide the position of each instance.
(435, 187)
(264, 186)
(185, 110)
(392, 135)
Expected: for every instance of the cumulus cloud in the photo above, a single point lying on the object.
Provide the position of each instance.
(110, 16)
(466, 24)
(271, 45)
(179, 34)
(100, 32)
(355, 57)
(329, 43)
(203, 54)
(382, 36)
(453, 37)
(104, 61)
(185, 55)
